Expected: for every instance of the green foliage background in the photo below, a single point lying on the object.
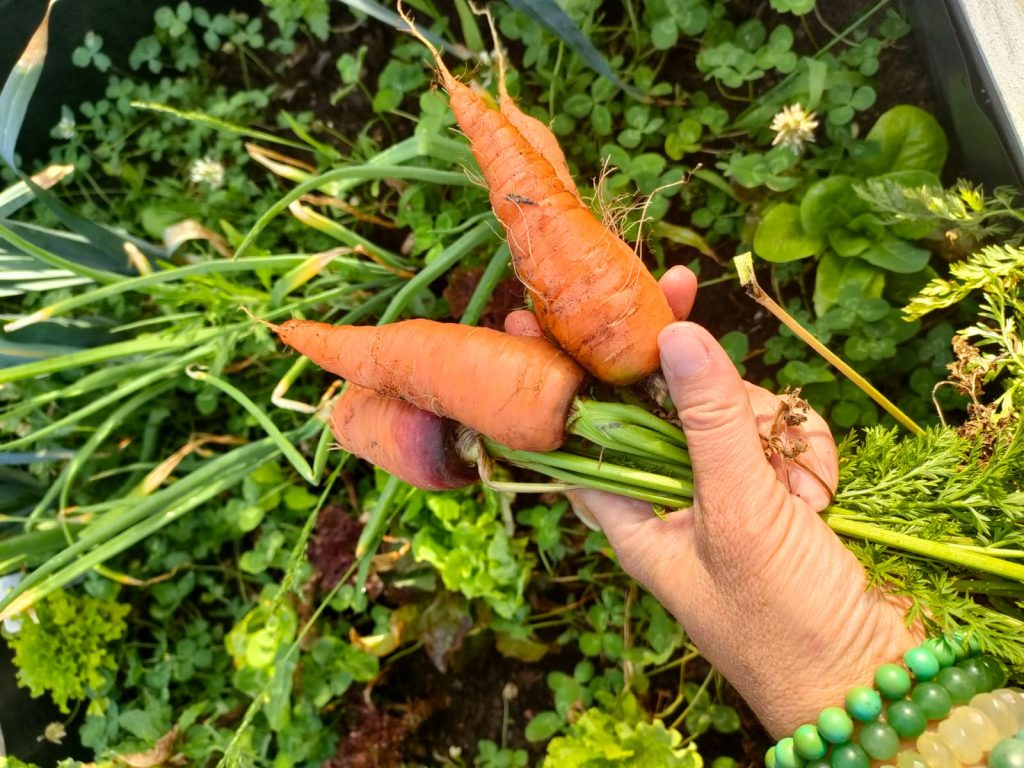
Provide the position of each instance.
(201, 565)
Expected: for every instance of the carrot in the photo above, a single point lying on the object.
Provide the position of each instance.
(516, 390)
(416, 446)
(537, 135)
(590, 291)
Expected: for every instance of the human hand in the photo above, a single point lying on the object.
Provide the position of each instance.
(763, 587)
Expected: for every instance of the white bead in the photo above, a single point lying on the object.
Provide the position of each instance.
(935, 751)
(1014, 699)
(957, 734)
(979, 725)
(909, 758)
(999, 711)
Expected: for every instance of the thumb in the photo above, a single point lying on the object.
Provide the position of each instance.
(729, 466)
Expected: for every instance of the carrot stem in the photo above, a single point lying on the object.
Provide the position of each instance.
(839, 521)
(628, 429)
(626, 480)
(745, 270)
(630, 414)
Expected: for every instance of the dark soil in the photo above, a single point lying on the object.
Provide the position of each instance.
(469, 699)
(310, 83)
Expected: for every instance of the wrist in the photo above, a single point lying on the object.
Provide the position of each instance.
(883, 639)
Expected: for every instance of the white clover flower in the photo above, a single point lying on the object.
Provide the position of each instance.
(794, 127)
(65, 128)
(207, 171)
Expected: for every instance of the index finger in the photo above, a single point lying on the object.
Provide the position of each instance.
(679, 285)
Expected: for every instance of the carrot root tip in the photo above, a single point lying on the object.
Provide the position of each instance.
(260, 320)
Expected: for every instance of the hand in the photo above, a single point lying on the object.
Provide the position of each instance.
(763, 587)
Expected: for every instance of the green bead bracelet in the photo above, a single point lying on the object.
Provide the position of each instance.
(937, 675)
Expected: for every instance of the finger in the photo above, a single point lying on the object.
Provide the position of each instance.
(522, 322)
(649, 547)
(679, 285)
(729, 466)
(804, 458)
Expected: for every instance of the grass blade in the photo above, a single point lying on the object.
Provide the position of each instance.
(63, 483)
(29, 548)
(287, 449)
(124, 389)
(357, 173)
(20, 194)
(20, 86)
(146, 282)
(381, 13)
(217, 124)
(123, 527)
(94, 355)
(550, 15)
(52, 259)
(445, 260)
(497, 268)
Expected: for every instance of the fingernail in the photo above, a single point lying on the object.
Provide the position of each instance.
(682, 351)
(581, 510)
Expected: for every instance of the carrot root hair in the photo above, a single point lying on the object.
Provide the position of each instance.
(260, 320)
(446, 75)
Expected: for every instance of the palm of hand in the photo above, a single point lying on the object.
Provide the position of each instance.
(765, 589)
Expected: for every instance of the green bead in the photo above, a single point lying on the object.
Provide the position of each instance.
(959, 644)
(922, 662)
(863, 703)
(808, 742)
(958, 683)
(1008, 753)
(979, 673)
(974, 646)
(835, 725)
(769, 757)
(892, 681)
(850, 756)
(933, 699)
(997, 672)
(785, 754)
(879, 740)
(965, 647)
(818, 764)
(906, 718)
(944, 650)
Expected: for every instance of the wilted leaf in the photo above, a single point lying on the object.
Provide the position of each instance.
(443, 625)
(191, 229)
(160, 754)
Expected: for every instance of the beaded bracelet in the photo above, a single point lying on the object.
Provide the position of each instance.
(947, 672)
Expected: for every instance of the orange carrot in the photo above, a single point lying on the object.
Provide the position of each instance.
(590, 291)
(516, 390)
(537, 135)
(416, 446)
